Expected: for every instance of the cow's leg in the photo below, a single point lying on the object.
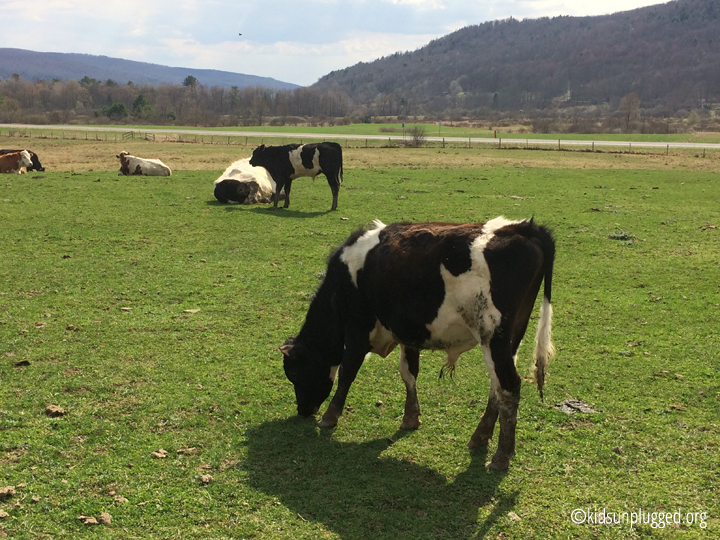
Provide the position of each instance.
(334, 183)
(288, 185)
(353, 358)
(276, 196)
(484, 431)
(500, 362)
(409, 369)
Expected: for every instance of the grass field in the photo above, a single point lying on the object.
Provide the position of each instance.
(152, 316)
(510, 135)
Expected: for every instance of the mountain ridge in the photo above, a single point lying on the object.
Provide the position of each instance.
(34, 65)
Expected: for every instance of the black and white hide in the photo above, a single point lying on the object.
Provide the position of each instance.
(441, 286)
(241, 183)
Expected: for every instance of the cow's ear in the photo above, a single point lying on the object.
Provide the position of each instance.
(286, 347)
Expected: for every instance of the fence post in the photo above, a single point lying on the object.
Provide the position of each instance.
(667, 150)
(500, 143)
(558, 144)
(593, 146)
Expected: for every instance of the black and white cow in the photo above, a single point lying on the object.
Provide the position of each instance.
(241, 183)
(291, 161)
(36, 166)
(442, 286)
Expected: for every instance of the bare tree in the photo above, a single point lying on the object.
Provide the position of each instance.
(630, 109)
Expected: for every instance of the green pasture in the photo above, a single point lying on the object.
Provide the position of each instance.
(152, 315)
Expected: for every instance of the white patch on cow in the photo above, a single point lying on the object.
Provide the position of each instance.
(242, 171)
(354, 256)
(490, 365)
(25, 159)
(300, 170)
(382, 342)
(147, 167)
(408, 377)
(467, 315)
(333, 372)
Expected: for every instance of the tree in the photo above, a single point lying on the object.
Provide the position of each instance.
(630, 108)
(141, 107)
(190, 81)
(418, 134)
(117, 111)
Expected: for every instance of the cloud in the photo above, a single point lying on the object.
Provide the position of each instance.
(288, 40)
(289, 60)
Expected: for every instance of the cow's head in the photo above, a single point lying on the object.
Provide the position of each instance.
(312, 380)
(25, 160)
(36, 162)
(256, 158)
(124, 162)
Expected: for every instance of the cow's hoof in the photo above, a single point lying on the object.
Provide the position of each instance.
(327, 423)
(498, 463)
(478, 443)
(410, 423)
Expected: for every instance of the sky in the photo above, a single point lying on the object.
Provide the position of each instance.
(296, 41)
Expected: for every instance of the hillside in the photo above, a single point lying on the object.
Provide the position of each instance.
(668, 54)
(47, 66)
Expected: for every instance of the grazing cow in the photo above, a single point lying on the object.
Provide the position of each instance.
(241, 183)
(136, 165)
(442, 286)
(15, 162)
(36, 166)
(286, 163)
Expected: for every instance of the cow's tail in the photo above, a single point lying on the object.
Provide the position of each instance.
(544, 348)
(340, 173)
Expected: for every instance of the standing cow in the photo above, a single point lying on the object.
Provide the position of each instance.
(291, 161)
(442, 286)
(141, 166)
(15, 162)
(35, 166)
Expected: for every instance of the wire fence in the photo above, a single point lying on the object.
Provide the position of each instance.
(357, 142)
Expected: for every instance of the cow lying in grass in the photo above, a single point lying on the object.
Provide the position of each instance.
(442, 286)
(241, 183)
(15, 162)
(141, 166)
(35, 166)
(286, 163)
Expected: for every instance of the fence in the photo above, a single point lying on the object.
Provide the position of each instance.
(389, 142)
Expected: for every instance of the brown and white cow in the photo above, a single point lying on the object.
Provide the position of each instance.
(442, 286)
(15, 162)
(141, 166)
(241, 183)
(36, 165)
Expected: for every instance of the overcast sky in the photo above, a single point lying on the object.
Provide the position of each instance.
(296, 41)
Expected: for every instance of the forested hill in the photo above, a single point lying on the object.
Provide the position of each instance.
(668, 54)
(47, 66)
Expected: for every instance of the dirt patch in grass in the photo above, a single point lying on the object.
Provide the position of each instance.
(83, 156)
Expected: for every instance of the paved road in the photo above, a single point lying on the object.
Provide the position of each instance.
(335, 136)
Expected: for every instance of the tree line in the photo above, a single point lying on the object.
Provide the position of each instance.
(190, 103)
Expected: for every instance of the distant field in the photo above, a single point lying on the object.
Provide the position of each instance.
(447, 129)
(152, 314)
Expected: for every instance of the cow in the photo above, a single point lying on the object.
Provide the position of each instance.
(241, 183)
(291, 161)
(36, 166)
(15, 162)
(136, 165)
(441, 286)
